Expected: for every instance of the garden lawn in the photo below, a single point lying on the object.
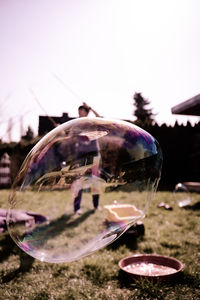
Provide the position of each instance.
(167, 232)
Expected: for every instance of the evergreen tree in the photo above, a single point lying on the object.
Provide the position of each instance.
(144, 116)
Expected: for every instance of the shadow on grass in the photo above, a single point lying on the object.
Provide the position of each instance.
(80, 219)
(191, 281)
(48, 231)
(56, 227)
(39, 236)
(125, 239)
(196, 206)
(8, 248)
(130, 238)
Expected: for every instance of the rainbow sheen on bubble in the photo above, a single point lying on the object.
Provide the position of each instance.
(182, 195)
(99, 161)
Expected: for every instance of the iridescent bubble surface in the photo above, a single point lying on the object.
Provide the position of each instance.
(182, 195)
(81, 165)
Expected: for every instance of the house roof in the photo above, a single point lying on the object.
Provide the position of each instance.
(189, 107)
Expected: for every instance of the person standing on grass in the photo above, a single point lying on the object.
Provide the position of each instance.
(86, 153)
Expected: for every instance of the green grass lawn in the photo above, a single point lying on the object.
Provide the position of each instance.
(174, 233)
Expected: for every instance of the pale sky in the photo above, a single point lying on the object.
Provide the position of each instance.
(102, 51)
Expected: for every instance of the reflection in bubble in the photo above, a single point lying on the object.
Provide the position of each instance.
(182, 195)
(107, 169)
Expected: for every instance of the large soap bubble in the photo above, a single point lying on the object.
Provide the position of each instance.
(78, 165)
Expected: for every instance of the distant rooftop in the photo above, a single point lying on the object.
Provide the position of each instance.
(47, 123)
(189, 107)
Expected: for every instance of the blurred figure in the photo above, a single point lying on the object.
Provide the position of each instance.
(84, 110)
(86, 146)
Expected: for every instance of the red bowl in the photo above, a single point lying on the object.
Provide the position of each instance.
(151, 266)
